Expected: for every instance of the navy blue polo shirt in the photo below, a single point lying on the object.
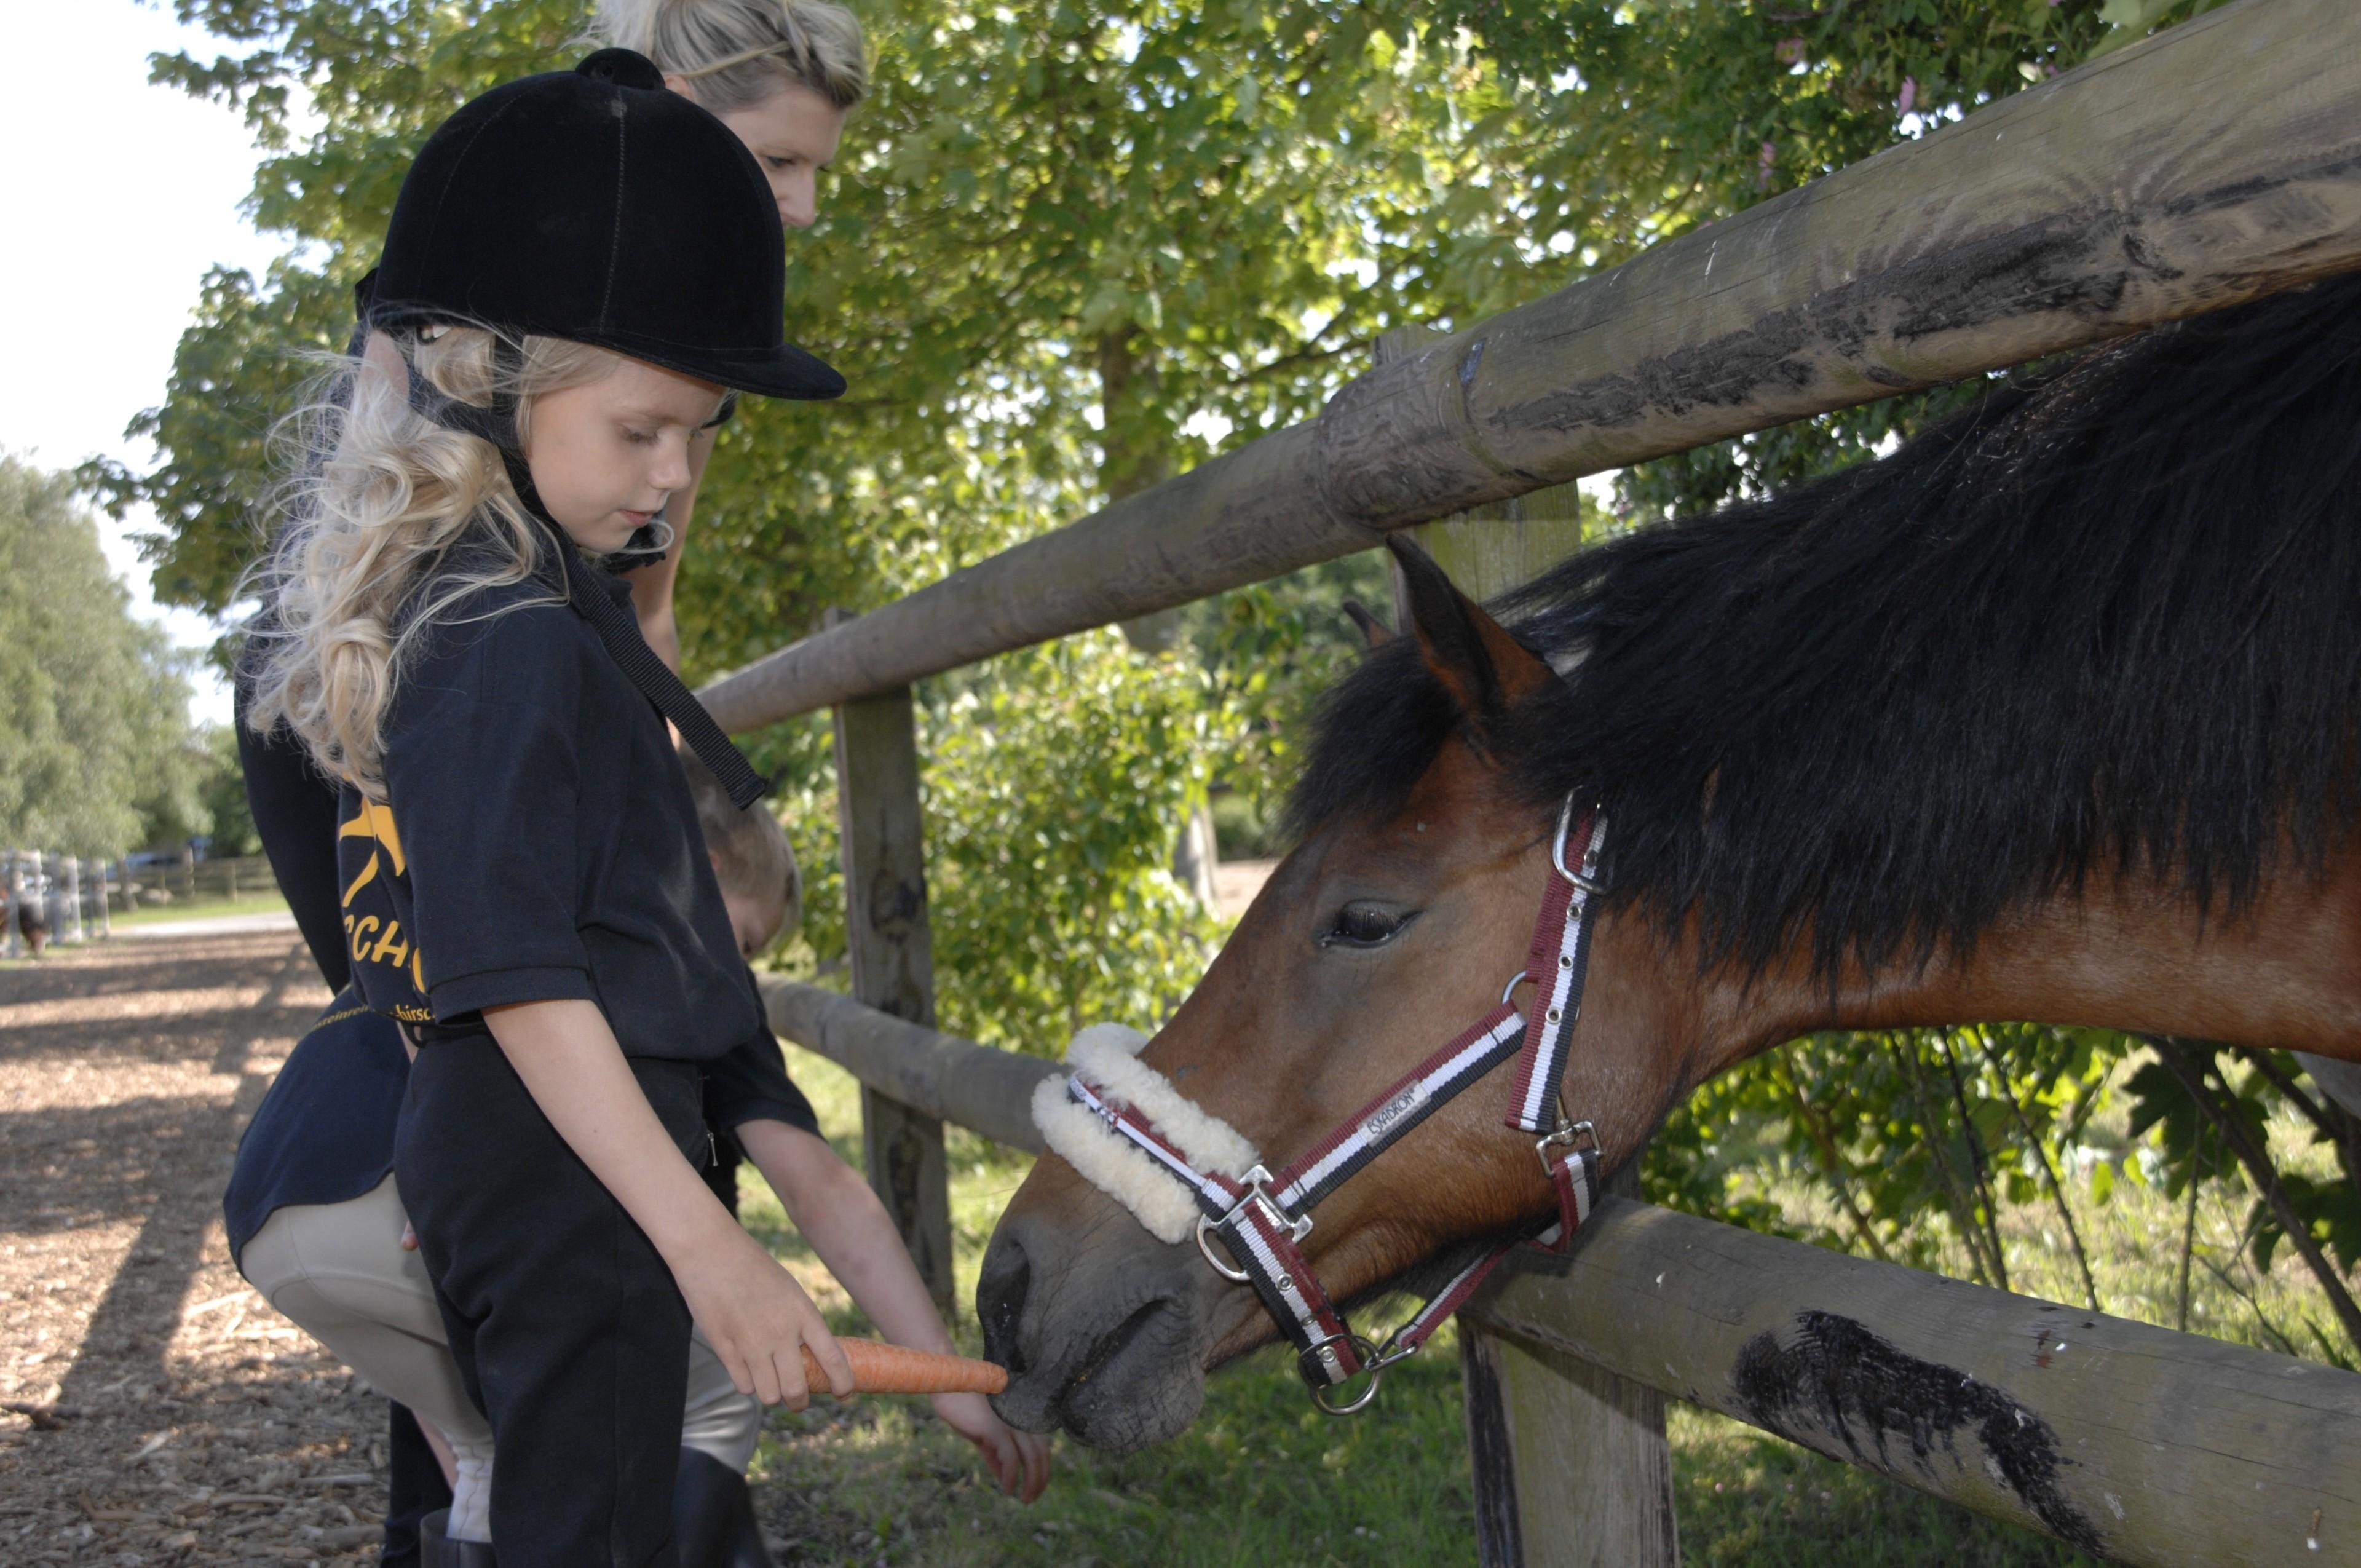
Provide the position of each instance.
(324, 1132)
(537, 841)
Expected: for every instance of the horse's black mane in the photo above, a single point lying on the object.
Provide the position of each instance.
(2109, 619)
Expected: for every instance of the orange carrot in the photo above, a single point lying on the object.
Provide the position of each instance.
(881, 1368)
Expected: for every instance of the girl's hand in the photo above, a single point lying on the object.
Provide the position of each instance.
(1019, 1459)
(758, 1320)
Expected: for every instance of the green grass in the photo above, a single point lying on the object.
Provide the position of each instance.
(200, 909)
(1262, 1481)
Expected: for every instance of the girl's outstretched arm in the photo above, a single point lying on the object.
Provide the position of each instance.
(834, 1209)
(755, 1315)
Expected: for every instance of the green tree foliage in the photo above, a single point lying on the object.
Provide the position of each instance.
(1654, 118)
(223, 792)
(96, 754)
(1048, 872)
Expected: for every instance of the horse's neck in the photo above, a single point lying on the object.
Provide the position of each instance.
(2285, 972)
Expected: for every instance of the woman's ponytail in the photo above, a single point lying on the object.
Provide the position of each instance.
(736, 52)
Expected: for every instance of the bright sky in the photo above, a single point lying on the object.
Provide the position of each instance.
(120, 196)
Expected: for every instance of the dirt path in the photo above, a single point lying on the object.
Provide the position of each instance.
(157, 1411)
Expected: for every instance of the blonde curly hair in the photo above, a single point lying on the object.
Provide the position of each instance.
(383, 500)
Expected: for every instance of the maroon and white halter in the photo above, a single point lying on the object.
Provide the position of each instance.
(1261, 1219)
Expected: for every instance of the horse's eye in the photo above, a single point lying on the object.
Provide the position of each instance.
(1363, 926)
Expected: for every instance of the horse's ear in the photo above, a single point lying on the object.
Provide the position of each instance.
(1486, 671)
(1375, 633)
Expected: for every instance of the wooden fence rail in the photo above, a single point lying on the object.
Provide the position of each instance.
(940, 1076)
(2215, 164)
(2146, 1446)
(2139, 1444)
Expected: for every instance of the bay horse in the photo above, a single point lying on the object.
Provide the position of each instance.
(2048, 715)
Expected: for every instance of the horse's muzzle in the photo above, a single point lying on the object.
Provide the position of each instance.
(1105, 1340)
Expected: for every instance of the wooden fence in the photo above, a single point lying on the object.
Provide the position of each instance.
(229, 877)
(67, 893)
(79, 898)
(2211, 166)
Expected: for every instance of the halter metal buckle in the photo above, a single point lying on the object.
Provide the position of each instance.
(1585, 878)
(1257, 1193)
(1566, 1134)
(1393, 1351)
(1323, 1356)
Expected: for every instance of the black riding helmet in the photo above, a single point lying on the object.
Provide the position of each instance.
(557, 205)
(547, 207)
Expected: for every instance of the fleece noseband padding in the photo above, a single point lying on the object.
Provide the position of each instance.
(1107, 1057)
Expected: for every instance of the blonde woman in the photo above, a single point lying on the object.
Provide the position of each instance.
(287, 1186)
(783, 77)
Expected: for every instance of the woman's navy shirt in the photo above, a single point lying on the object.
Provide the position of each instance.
(537, 842)
(324, 1132)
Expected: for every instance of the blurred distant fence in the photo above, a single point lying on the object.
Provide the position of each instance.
(73, 899)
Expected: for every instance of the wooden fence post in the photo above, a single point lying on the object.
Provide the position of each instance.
(12, 866)
(892, 952)
(1570, 1463)
(73, 898)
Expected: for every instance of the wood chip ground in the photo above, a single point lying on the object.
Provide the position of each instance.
(152, 1408)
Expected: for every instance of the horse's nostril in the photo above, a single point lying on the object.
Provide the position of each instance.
(1000, 1303)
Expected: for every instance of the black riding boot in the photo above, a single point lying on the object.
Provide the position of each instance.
(713, 1516)
(436, 1551)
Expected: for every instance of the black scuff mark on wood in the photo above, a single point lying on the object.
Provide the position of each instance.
(1835, 1382)
(2077, 263)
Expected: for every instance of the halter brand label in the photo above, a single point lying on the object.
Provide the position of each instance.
(1411, 1097)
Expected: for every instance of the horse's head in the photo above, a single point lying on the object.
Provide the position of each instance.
(1391, 927)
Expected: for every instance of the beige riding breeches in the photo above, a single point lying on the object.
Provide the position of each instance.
(340, 1273)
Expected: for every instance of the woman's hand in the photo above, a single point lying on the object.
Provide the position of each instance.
(1019, 1459)
(758, 1321)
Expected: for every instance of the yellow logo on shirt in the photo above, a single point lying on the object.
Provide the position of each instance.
(375, 822)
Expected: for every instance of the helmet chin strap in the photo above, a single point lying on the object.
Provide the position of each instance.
(591, 592)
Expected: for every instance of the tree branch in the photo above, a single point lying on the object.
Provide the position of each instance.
(1831, 1159)
(2048, 1173)
(1971, 1235)
(1983, 1162)
(2180, 1058)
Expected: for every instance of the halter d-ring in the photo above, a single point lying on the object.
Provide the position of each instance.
(1206, 1245)
(1363, 1352)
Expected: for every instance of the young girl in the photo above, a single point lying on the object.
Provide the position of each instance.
(522, 879)
(313, 1214)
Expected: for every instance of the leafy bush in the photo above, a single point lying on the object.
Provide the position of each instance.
(1054, 785)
